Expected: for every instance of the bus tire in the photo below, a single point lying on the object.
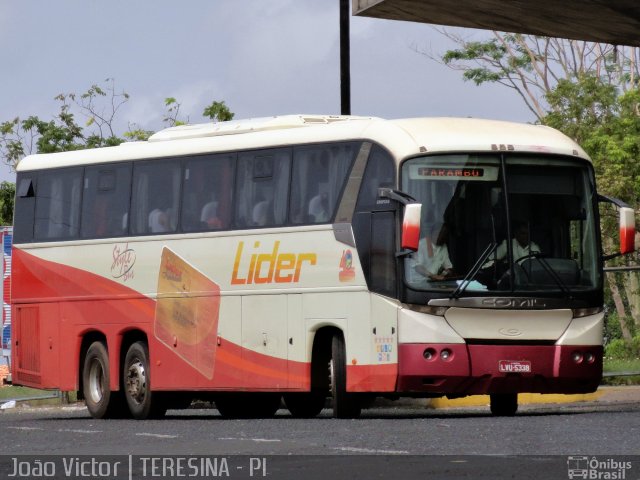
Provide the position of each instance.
(504, 404)
(305, 405)
(100, 400)
(345, 405)
(136, 381)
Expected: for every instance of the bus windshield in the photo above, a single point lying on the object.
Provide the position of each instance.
(502, 223)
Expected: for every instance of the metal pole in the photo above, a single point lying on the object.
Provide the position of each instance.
(345, 60)
(622, 269)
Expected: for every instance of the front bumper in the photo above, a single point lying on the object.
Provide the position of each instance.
(485, 369)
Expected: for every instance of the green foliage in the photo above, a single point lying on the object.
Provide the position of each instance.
(218, 112)
(173, 111)
(138, 135)
(7, 195)
(612, 330)
(99, 105)
(623, 349)
(607, 125)
(579, 105)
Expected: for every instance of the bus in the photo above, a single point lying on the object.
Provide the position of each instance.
(284, 259)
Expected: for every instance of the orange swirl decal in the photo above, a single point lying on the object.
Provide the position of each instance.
(272, 267)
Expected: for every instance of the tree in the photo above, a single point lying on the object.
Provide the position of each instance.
(100, 106)
(218, 112)
(7, 194)
(532, 66)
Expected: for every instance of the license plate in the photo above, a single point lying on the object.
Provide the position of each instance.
(514, 366)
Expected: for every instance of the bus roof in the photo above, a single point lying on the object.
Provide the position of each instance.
(403, 138)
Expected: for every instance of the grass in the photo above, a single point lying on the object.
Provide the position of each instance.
(620, 366)
(15, 392)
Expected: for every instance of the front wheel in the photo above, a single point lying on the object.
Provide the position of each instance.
(345, 405)
(143, 403)
(504, 404)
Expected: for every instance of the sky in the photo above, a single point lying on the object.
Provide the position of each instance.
(261, 57)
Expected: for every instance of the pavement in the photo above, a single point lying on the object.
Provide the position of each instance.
(628, 394)
(604, 395)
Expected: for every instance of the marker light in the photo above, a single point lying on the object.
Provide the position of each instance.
(429, 354)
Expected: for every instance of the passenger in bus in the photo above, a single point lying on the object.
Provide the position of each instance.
(159, 221)
(260, 213)
(209, 215)
(432, 257)
(319, 208)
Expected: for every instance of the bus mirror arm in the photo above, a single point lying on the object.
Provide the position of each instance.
(396, 195)
(627, 225)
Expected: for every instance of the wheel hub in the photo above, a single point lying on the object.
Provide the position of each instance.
(137, 381)
(96, 381)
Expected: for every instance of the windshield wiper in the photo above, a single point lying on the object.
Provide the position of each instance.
(474, 270)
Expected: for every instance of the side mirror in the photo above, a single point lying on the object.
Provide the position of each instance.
(411, 226)
(626, 224)
(627, 230)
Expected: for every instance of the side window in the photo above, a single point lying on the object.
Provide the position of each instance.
(380, 172)
(58, 197)
(319, 173)
(262, 193)
(206, 197)
(105, 201)
(156, 196)
(23, 217)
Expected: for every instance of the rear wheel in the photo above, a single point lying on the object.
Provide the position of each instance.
(142, 402)
(504, 404)
(345, 405)
(100, 400)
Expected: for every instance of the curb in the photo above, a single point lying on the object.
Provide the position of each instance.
(606, 394)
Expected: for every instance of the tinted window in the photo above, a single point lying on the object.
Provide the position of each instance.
(319, 173)
(155, 197)
(23, 217)
(206, 198)
(58, 198)
(105, 201)
(383, 267)
(380, 172)
(375, 231)
(262, 188)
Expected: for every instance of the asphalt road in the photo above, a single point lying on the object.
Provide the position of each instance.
(460, 443)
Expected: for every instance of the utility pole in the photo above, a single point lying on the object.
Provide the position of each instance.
(345, 59)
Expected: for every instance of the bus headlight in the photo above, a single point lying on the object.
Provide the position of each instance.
(436, 310)
(585, 312)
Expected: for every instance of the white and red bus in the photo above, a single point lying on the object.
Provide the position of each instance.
(253, 261)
